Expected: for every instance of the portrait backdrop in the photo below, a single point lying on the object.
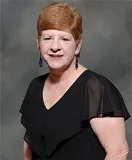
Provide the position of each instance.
(106, 49)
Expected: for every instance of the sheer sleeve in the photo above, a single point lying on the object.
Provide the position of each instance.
(27, 97)
(103, 98)
(29, 117)
(26, 106)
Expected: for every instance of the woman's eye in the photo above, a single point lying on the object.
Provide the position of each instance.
(47, 39)
(65, 39)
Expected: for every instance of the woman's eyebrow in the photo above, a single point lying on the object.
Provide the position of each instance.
(61, 35)
(47, 35)
(68, 36)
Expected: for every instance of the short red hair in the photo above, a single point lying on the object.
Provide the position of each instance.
(60, 16)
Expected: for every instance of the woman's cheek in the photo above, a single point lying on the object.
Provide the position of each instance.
(44, 48)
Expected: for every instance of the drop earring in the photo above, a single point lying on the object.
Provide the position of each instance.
(40, 61)
(76, 63)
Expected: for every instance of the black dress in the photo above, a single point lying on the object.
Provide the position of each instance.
(63, 132)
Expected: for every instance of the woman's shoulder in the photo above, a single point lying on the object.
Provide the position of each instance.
(41, 77)
(103, 97)
(100, 83)
(96, 79)
(38, 79)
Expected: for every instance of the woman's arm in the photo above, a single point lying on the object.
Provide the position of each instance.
(112, 135)
(27, 152)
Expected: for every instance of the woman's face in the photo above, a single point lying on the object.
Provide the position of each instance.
(58, 48)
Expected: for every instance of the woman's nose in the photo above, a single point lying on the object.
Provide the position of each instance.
(55, 45)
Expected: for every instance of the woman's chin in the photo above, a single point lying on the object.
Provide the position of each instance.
(56, 66)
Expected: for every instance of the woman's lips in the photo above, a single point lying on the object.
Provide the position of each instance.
(56, 56)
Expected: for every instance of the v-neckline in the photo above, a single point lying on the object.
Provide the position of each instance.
(62, 97)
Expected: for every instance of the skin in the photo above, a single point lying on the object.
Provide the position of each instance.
(27, 152)
(112, 135)
(109, 130)
(54, 42)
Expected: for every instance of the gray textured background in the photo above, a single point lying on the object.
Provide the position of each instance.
(107, 49)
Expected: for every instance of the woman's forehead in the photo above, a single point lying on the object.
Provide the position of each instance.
(54, 32)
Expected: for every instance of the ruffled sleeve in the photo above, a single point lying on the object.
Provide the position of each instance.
(29, 118)
(103, 98)
(24, 110)
(26, 104)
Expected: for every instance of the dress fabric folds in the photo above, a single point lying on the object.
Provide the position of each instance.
(63, 132)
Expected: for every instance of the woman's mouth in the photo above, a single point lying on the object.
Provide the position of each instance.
(56, 56)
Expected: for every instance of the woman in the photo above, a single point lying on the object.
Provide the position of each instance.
(70, 113)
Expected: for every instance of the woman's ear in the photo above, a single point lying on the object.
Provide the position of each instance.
(38, 45)
(78, 46)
